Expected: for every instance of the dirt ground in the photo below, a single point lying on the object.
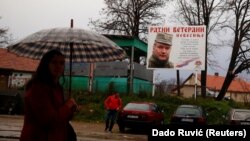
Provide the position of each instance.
(10, 129)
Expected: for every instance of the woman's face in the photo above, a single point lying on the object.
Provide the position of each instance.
(56, 66)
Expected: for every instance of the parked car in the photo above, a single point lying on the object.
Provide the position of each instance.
(237, 117)
(140, 115)
(189, 114)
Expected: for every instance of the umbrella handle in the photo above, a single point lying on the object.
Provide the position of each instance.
(70, 67)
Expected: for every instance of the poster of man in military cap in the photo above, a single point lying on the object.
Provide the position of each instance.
(176, 47)
(161, 50)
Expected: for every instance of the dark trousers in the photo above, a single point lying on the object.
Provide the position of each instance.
(110, 119)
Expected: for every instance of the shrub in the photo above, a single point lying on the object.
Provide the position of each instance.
(92, 108)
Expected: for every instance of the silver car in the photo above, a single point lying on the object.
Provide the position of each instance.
(237, 117)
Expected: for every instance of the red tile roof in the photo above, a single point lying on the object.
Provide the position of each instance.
(215, 82)
(12, 61)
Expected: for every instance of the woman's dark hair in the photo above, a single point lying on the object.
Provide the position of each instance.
(42, 73)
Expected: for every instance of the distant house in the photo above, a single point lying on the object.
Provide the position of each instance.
(239, 90)
(15, 71)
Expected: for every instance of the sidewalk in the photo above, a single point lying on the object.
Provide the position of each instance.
(10, 129)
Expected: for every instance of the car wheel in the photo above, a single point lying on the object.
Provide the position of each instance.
(162, 122)
(121, 128)
(10, 111)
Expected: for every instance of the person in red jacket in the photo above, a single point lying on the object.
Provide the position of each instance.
(113, 104)
(47, 114)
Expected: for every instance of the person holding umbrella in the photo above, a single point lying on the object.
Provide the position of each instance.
(47, 115)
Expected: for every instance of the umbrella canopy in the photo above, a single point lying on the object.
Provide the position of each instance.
(86, 46)
(78, 45)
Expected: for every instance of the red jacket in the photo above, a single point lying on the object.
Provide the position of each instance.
(46, 115)
(113, 102)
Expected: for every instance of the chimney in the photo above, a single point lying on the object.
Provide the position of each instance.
(216, 74)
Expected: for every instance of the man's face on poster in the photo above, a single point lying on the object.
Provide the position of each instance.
(161, 51)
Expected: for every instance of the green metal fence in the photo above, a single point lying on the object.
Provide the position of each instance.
(109, 84)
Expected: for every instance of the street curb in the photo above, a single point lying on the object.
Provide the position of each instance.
(13, 116)
(8, 137)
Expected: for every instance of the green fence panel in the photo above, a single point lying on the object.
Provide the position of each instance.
(77, 83)
(142, 86)
(109, 84)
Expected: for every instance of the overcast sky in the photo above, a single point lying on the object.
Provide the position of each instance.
(24, 17)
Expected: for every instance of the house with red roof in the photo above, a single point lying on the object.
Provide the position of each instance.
(15, 71)
(239, 90)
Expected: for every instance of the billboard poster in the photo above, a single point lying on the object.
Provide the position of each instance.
(176, 47)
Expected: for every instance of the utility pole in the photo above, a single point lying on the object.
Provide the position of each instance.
(131, 72)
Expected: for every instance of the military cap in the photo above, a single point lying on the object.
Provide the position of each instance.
(164, 38)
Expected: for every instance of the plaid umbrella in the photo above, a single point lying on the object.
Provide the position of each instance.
(83, 45)
(78, 45)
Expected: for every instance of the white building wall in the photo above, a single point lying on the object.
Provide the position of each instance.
(19, 79)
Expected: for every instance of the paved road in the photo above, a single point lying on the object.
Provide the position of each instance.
(10, 128)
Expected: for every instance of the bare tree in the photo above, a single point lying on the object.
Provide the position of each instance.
(167, 86)
(129, 17)
(161, 87)
(240, 56)
(4, 36)
(201, 12)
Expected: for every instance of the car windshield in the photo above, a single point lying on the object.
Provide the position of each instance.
(137, 106)
(188, 111)
(241, 115)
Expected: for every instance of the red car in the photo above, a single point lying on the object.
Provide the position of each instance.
(140, 115)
